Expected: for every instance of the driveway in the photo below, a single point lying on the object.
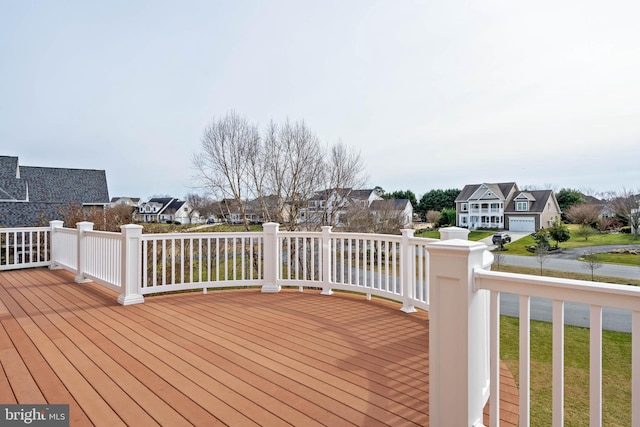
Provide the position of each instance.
(515, 235)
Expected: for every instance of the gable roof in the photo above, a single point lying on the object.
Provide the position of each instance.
(537, 198)
(390, 204)
(58, 185)
(30, 195)
(478, 191)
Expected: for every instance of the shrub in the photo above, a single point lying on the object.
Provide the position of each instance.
(626, 229)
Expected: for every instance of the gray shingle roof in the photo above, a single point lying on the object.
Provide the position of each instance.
(30, 195)
(539, 199)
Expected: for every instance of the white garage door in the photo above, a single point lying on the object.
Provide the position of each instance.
(522, 224)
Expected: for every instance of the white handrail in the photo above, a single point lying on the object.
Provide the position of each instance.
(24, 247)
(449, 278)
(596, 295)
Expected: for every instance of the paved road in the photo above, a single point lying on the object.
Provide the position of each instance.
(575, 314)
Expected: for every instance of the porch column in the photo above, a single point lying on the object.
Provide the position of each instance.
(408, 271)
(130, 265)
(272, 262)
(82, 251)
(54, 245)
(458, 335)
(326, 260)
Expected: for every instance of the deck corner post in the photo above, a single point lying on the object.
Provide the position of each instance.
(54, 244)
(326, 260)
(271, 257)
(458, 334)
(82, 227)
(449, 233)
(408, 271)
(131, 264)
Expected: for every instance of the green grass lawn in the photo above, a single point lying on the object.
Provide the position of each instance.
(601, 239)
(626, 259)
(616, 356)
(616, 374)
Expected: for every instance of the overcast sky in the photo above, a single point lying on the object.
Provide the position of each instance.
(434, 94)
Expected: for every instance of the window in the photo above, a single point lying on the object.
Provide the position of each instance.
(475, 206)
(522, 206)
(465, 207)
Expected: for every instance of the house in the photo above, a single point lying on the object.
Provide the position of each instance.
(505, 206)
(134, 202)
(167, 209)
(329, 207)
(33, 195)
(356, 209)
(396, 211)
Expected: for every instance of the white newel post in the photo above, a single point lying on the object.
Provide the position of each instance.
(54, 245)
(326, 260)
(408, 272)
(448, 233)
(271, 261)
(458, 331)
(82, 251)
(131, 263)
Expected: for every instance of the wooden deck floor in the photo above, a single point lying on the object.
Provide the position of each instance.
(236, 358)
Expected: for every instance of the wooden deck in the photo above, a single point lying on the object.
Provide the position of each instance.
(236, 357)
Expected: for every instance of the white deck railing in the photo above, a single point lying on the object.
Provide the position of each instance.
(450, 278)
(24, 247)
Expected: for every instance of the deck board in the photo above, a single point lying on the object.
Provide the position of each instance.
(234, 357)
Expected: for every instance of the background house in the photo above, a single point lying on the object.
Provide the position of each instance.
(167, 209)
(504, 206)
(356, 210)
(31, 196)
(133, 202)
(393, 212)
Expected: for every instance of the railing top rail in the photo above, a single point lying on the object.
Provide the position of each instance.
(169, 236)
(423, 240)
(365, 236)
(300, 233)
(103, 233)
(21, 229)
(67, 230)
(580, 291)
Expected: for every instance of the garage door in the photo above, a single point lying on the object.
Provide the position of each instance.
(522, 224)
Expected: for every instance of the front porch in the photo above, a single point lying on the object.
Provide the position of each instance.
(229, 357)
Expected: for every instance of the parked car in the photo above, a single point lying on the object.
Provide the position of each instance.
(501, 238)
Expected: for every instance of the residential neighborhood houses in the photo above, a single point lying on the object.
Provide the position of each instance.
(35, 195)
(504, 206)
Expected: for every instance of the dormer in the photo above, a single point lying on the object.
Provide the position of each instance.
(523, 201)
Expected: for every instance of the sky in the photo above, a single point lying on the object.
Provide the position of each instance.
(433, 94)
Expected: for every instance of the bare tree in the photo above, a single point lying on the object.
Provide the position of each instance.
(627, 205)
(257, 159)
(222, 165)
(498, 259)
(591, 262)
(345, 171)
(433, 217)
(542, 254)
(198, 205)
(295, 167)
(583, 213)
(358, 219)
